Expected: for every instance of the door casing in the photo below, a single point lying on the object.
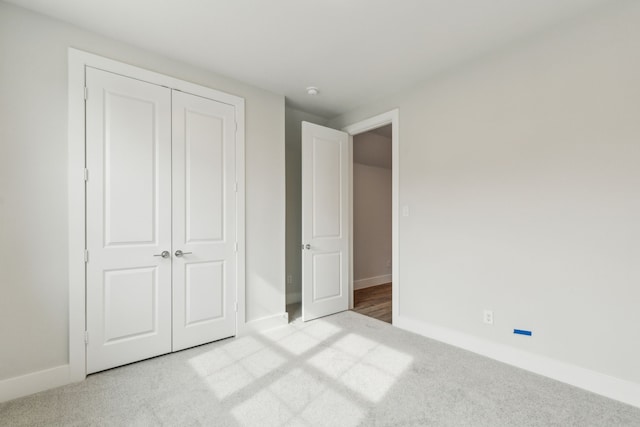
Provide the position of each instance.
(78, 61)
(393, 118)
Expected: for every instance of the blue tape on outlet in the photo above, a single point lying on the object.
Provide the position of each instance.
(521, 332)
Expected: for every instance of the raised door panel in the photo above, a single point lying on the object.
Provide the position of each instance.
(204, 227)
(204, 288)
(128, 146)
(130, 154)
(205, 177)
(130, 303)
(326, 277)
(327, 191)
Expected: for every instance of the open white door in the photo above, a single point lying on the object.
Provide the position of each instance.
(325, 223)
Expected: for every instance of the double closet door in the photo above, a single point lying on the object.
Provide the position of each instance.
(161, 220)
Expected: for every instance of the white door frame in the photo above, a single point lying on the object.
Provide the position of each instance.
(392, 118)
(78, 61)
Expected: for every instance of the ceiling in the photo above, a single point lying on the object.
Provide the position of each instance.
(354, 51)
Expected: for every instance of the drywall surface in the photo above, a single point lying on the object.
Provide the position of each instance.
(521, 175)
(293, 137)
(371, 222)
(33, 184)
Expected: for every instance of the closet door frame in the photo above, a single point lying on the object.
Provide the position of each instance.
(78, 61)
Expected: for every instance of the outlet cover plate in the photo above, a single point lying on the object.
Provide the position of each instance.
(488, 317)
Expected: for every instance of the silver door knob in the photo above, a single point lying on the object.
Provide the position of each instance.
(179, 253)
(164, 254)
(307, 246)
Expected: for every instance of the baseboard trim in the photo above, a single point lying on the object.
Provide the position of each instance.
(371, 281)
(24, 385)
(294, 298)
(596, 382)
(264, 323)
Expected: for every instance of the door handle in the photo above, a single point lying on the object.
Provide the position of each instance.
(164, 254)
(179, 253)
(307, 246)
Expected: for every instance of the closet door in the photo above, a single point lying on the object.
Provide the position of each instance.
(204, 220)
(128, 148)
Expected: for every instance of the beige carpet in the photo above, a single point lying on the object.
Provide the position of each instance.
(343, 370)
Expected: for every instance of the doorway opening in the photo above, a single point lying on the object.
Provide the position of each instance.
(372, 223)
(327, 221)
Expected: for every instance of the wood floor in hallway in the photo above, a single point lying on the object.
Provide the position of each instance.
(374, 302)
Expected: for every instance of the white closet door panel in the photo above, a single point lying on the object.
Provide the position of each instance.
(204, 225)
(204, 289)
(128, 139)
(324, 221)
(129, 163)
(204, 186)
(129, 302)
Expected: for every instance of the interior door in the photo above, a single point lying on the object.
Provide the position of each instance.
(204, 220)
(325, 224)
(128, 149)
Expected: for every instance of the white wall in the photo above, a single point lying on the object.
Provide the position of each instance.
(522, 175)
(371, 225)
(293, 136)
(33, 184)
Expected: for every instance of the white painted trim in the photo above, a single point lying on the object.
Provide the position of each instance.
(78, 61)
(351, 225)
(24, 385)
(76, 215)
(596, 382)
(371, 281)
(265, 323)
(240, 216)
(390, 117)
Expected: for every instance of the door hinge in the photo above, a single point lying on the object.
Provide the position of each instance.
(236, 126)
(236, 306)
(86, 174)
(86, 337)
(235, 187)
(86, 255)
(86, 93)
(236, 247)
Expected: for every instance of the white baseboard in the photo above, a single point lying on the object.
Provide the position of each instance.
(294, 297)
(264, 323)
(371, 281)
(12, 388)
(596, 382)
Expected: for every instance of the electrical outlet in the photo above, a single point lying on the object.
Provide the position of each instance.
(289, 279)
(488, 317)
(388, 263)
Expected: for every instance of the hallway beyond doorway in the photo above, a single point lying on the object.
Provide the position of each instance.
(374, 301)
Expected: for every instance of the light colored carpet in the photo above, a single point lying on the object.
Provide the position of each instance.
(342, 370)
